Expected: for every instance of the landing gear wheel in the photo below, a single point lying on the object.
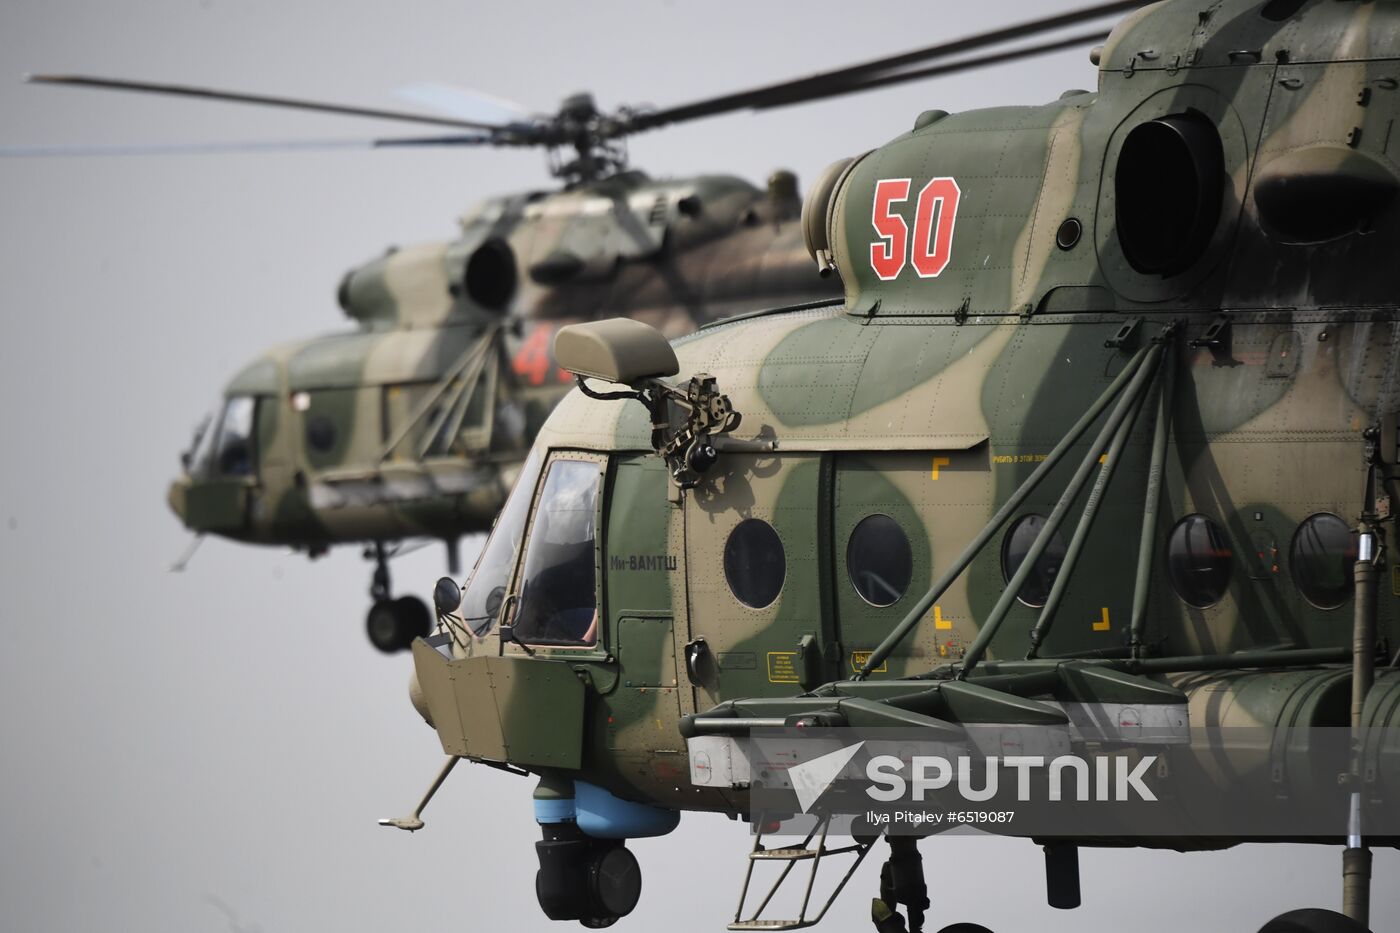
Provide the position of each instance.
(597, 923)
(382, 626)
(965, 928)
(1312, 920)
(393, 624)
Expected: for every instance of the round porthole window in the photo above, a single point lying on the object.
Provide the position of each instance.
(754, 563)
(1199, 560)
(879, 560)
(1320, 560)
(1017, 545)
(320, 432)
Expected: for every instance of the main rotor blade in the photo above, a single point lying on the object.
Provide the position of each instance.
(856, 77)
(965, 64)
(270, 145)
(182, 90)
(464, 103)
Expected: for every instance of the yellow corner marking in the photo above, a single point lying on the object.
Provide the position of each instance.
(1102, 624)
(938, 462)
(939, 621)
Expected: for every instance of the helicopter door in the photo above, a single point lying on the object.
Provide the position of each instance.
(755, 577)
(643, 575)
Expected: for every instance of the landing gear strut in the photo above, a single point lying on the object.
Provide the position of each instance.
(901, 882)
(392, 624)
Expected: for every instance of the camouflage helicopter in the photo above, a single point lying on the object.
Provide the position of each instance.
(415, 424)
(1164, 309)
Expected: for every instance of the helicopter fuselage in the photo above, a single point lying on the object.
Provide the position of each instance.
(414, 424)
(1204, 244)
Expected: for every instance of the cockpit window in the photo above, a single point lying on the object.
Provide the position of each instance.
(234, 452)
(224, 444)
(486, 589)
(197, 460)
(558, 589)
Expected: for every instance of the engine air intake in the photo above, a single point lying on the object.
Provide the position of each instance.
(1169, 179)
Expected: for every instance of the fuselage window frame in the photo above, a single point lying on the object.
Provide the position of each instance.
(1308, 589)
(1225, 565)
(1042, 578)
(856, 570)
(748, 583)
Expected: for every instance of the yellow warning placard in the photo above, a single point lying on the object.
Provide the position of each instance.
(782, 667)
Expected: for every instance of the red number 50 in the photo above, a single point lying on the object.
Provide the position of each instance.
(931, 245)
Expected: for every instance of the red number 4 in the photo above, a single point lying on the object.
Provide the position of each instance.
(934, 217)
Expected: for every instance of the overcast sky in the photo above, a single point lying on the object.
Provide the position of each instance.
(210, 750)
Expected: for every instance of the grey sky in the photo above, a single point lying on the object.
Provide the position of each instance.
(209, 750)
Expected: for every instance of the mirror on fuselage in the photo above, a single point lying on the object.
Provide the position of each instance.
(447, 595)
(618, 350)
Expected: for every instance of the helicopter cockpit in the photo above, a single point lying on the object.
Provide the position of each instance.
(485, 590)
(558, 602)
(223, 442)
(553, 599)
(221, 468)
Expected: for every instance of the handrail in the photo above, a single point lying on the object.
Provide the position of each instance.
(1152, 501)
(1081, 531)
(480, 346)
(1127, 404)
(455, 412)
(917, 612)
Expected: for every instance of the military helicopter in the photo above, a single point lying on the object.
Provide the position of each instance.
(1164, 309)
(415, 424)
